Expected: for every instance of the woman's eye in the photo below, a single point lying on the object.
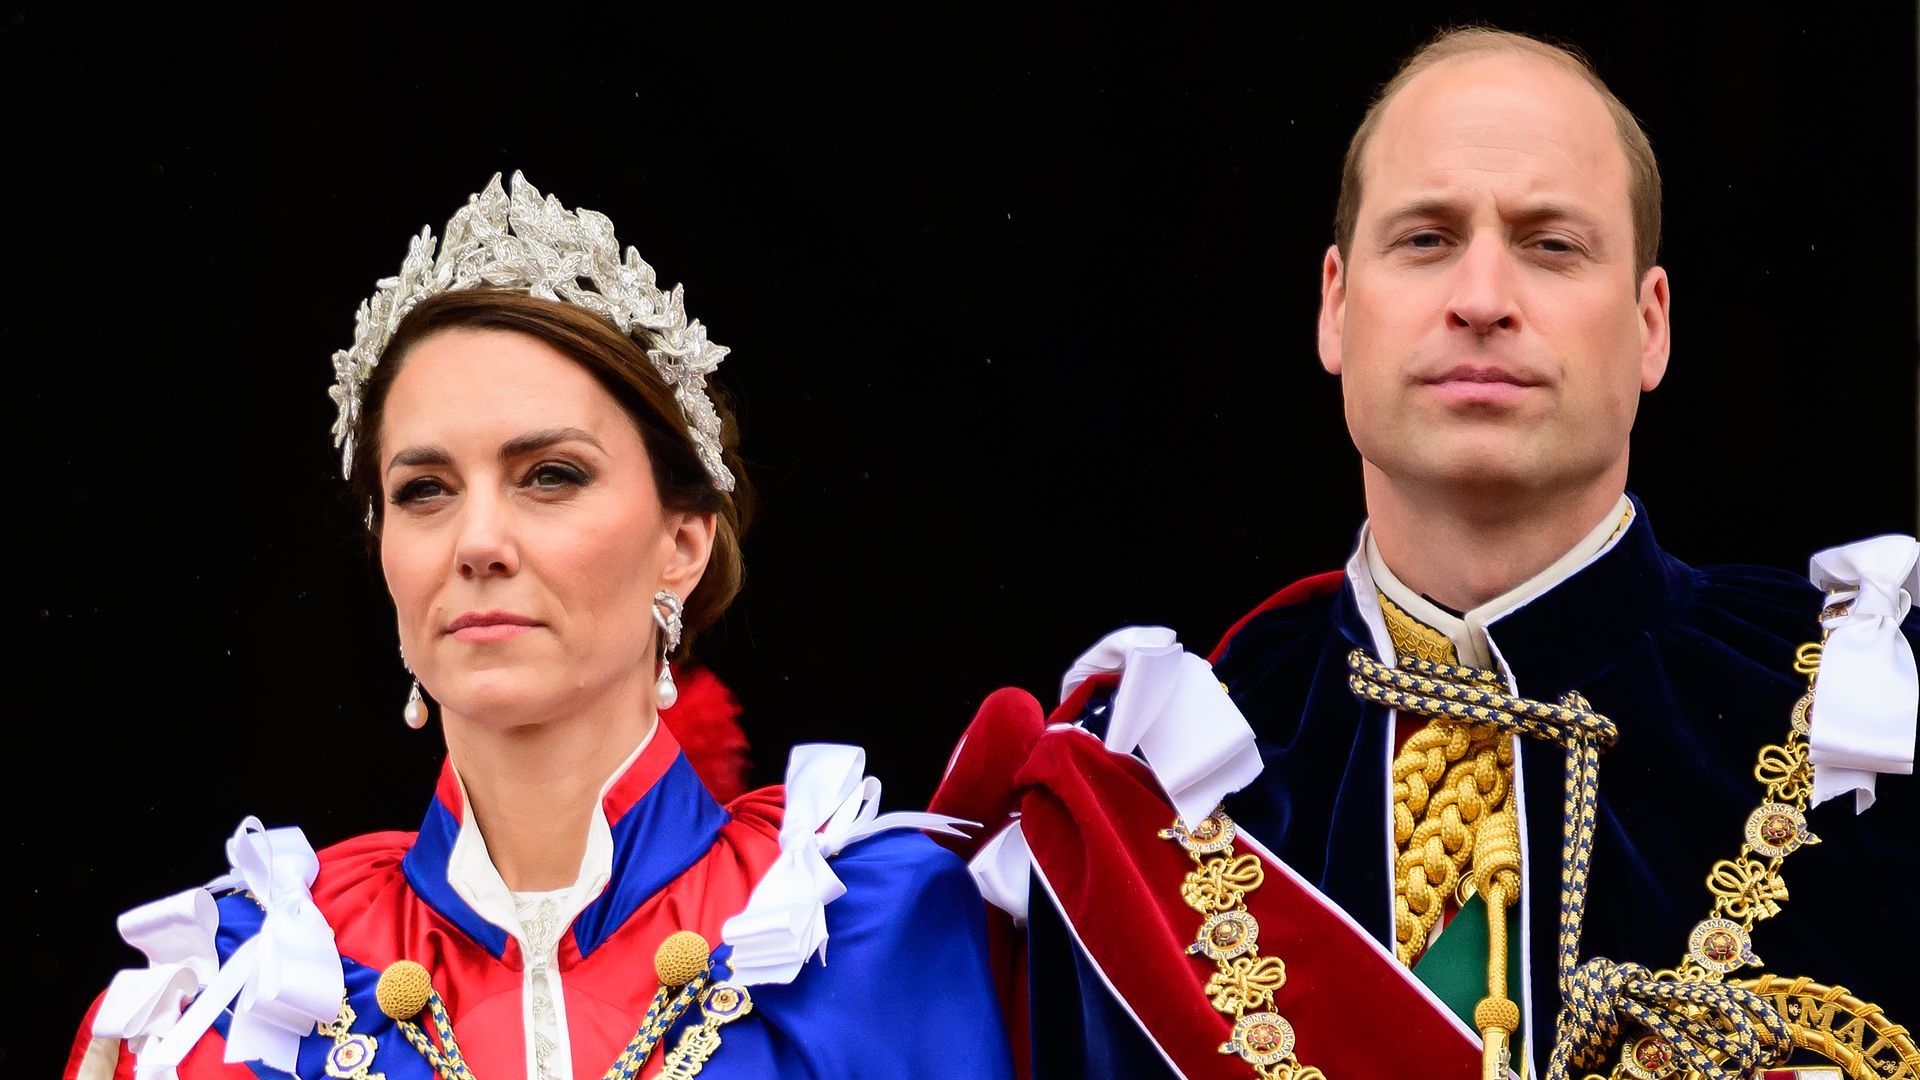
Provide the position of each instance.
(425, 487)
(553, 476)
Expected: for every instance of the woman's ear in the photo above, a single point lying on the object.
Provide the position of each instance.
(691, 538)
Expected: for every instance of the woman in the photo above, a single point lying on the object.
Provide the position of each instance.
(556, 504)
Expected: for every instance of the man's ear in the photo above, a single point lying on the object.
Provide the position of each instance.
(1333, 304)
(1656, 329)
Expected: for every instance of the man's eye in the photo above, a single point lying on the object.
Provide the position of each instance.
(1425, 240)
(425, 487)
(553, 476)
(1553, 245)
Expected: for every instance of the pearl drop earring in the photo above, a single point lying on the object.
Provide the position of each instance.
(415, 714)
(666, 615)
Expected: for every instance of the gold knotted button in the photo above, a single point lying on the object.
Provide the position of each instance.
(403, 990)
(681, 958)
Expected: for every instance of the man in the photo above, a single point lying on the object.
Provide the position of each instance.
(1508, 661)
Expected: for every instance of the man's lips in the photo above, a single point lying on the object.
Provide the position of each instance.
(490, 626)
(1480, 384)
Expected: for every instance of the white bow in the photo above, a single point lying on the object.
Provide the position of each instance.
(1866, 694)
(1171, 707)
(831, 803)
(143, 1004)
(280, 983)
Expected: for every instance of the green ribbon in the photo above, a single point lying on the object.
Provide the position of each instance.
(1454, 967)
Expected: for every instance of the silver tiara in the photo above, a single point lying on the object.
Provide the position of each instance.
(527, 242)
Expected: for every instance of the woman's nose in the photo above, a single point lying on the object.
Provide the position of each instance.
(485, 547)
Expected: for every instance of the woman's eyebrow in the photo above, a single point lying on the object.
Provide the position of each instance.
(534, 441)
(420, 455)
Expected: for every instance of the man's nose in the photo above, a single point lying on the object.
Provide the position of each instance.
(1483, 288)
(485, 546)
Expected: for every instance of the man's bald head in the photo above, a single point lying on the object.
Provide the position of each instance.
(1643, 172)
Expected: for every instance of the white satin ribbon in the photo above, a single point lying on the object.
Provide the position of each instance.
(1867, 693)
(1174, 711)
(1003, 869)
(143, 1004)
(831, 803)
(280, 983)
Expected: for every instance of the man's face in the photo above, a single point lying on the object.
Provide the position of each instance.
(1486, 326)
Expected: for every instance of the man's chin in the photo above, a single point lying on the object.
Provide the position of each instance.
(1429, 450)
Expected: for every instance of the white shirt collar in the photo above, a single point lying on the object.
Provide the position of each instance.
(1469, 632)
(471, 872)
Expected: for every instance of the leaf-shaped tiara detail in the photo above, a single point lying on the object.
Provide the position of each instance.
(524, 241)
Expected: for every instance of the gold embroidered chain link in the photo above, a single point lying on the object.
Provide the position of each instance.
(1748, 887)
(1244, 983)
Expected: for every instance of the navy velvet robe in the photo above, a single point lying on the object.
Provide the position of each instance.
(1695, 665)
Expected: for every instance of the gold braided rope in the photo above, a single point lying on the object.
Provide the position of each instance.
(1243, 983)
(1496, 874)
(1459, 779)
(1445, 779)
(1696, 1019)
(1450, 776)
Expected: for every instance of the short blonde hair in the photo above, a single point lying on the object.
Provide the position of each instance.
(1643, 172)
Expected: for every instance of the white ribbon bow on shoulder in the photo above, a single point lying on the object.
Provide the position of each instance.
(831, 803)
(281, 983)
(1867, 693)
(1171, 708)
(143, 1004)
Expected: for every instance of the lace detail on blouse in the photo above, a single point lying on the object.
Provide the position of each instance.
(540, 929)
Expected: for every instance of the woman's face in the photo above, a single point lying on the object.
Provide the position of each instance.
(524, 536)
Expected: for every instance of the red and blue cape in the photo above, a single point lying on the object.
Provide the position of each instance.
(906, 991)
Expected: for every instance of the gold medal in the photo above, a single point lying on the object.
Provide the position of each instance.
(1261, 1039)
(1648, 1058)
(1776, 829)
(1720, 945)
(1213, 833)
(1225, 935)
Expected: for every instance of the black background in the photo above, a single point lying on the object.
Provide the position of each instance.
(1021, 305)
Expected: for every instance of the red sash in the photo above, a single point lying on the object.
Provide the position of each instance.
(1092, 819)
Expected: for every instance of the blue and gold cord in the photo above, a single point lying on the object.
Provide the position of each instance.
(683, 964)
(1746, 1032)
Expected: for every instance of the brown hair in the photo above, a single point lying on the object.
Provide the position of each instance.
(621, 365)
(1643, 172)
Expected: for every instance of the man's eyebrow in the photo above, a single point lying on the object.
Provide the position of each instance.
(534, 441)
(1530, 214)
(531, 442)
(1419, 209)
(1543, 212)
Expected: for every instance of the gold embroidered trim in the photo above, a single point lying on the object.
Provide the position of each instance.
(1243, 983)
(1411, 637)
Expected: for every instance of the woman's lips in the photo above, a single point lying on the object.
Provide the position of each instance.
(480, 626)
(501, 631)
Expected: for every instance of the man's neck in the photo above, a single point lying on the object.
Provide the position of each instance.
(532, 788)
(1462, 549)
